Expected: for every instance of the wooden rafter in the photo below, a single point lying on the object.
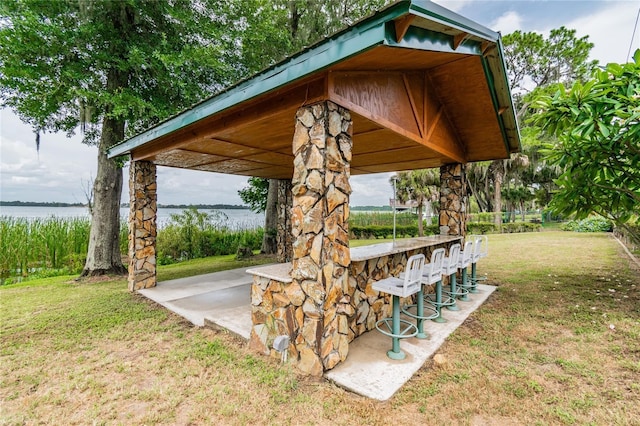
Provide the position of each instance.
(458, 39)
(259, 110)
(402, 25)
(419, 120)
(389, 100)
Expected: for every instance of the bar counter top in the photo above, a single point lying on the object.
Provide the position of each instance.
(282, 271)
(277, 271)
(384, 249)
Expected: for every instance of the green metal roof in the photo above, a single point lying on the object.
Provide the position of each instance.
(369, 32)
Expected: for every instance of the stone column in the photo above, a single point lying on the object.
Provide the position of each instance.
(453, 200)
(284, 240)
(319, 218)
(142, 225)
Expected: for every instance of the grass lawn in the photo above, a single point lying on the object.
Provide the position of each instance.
(558, 343)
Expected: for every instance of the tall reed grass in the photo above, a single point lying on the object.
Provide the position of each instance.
(193, 234)
(58, 245)
(29, 246)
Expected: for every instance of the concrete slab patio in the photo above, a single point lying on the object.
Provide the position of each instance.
(369, 372)
(223, 299)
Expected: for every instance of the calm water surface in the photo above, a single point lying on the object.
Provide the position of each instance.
(234, 219)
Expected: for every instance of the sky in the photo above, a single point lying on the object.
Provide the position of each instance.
(62, 168)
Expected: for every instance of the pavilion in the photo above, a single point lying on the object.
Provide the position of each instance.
(412, 86)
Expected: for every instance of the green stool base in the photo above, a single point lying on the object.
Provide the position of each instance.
(396, 355)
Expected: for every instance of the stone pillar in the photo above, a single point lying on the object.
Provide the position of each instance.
(319, 218)
(284, 240)
(142, 225)
(453, 200)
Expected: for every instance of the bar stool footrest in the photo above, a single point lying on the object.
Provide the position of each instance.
(429, 312)
(409, 331)
(446, 301)
(460, 292)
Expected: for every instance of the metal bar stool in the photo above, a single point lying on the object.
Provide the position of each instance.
(398, 287)
(450, 267)
(466, 256)
(436, 299)
(480, 250)
(430, 275)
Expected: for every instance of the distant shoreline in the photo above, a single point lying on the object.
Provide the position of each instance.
(163, 206)
(169, 206)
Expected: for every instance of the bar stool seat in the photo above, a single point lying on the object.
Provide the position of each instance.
(400, 287)
(480, 250)
(430, 276)
(451, 269)
(466, 256)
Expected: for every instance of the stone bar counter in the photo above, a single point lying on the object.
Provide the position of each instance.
(281, 306)
(378, 261)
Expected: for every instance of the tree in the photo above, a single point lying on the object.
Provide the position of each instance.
(113, 68)
(534, 63)
(255, 194)
(281, 27)
(262, 196)
(598, 129)
(418, 185)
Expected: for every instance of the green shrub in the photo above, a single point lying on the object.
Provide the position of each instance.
(382, 219)
(513, 227)
(386, 231)
(590, 224)
(480, 227)
(508, 228)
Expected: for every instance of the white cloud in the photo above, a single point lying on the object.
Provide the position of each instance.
(507, 23)
(454, 5)
(610, 30)
(371, 190)
(53, 174)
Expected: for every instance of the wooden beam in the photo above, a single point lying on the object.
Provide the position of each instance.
(419, 121)
(387, 98)
(458, 39)
(487, 47)
(402, 25)
(266, 107)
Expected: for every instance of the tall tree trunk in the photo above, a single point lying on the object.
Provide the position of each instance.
(498, 176)
(103, 255)
(420, 228)
(487, 193)
(269, 241)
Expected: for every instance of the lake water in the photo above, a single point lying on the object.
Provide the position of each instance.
(235, 219)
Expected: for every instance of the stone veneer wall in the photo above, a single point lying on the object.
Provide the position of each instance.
(313, 309)
(142, 225)
(453, 200)
(284, 238)
(367, 305)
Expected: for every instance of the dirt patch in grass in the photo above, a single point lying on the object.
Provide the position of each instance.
(558, 343)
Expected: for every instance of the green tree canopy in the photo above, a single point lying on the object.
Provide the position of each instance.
(421, 186)
(113, 67)
(597, 125)
(255, 194)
